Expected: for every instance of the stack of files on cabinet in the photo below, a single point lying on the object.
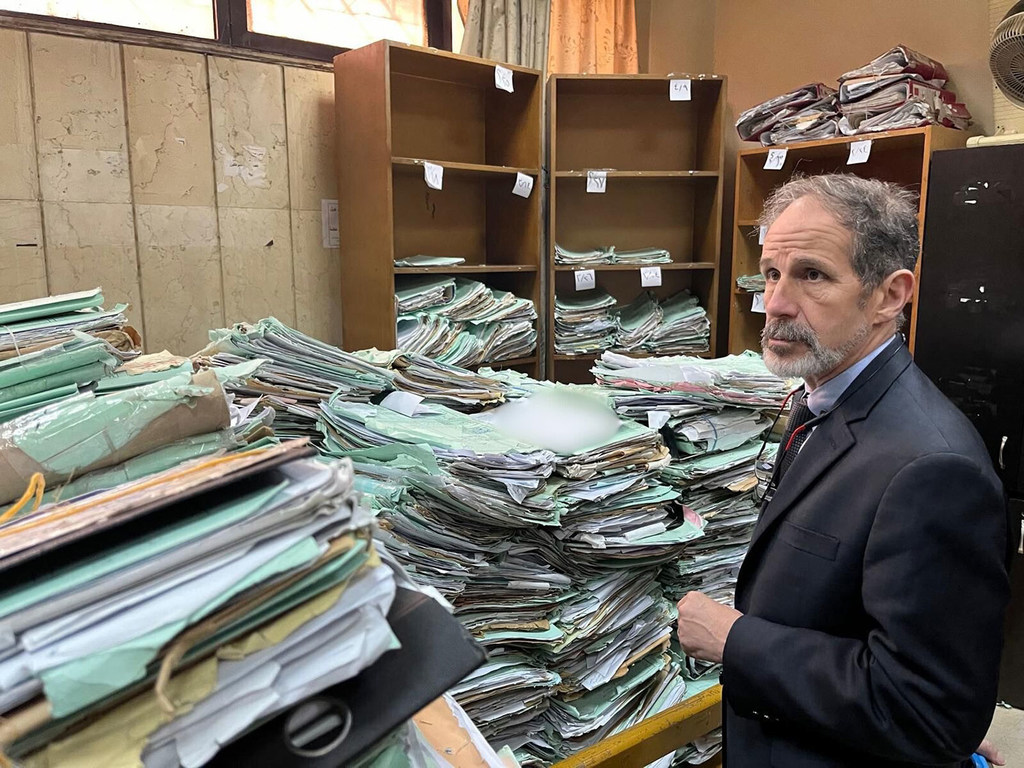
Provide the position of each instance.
(189, 606)
(820, 120)
(584, 323)
(642, 256)
(637, 322)
(28, 326)
(422, 260)
(462, 322)
(753, 123)
(900, 89)
(751, 283)
(611, 255)
(590, 321)
(684, 327)
(579, 258)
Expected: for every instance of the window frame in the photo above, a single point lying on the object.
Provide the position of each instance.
(231, 29)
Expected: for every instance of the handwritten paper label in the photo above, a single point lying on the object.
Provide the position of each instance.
(679, 90)
(523, 186)
(758, 305)
(585, 279)
(776, 159)
(762, 231)
(503, 78)
(860, 151)
(650, 277)
(434, 175)
(597, 181)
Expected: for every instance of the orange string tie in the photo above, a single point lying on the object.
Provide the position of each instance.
(36, 487)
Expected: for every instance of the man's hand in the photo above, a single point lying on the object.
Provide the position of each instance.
(990, 752)
(704, 625)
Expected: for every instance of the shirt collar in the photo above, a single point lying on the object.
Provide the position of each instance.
(824, 398)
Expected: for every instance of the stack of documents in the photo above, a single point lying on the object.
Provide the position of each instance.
(298, 372)
(642, 256)
(29, 326)
(611, 255)
(595, 256)
(547, 538)
(814, 122)
(421, 260)
(53, 373)
(160, 647)
(463, 322)
(713, 415)
(584, 323)
(757, 120)
(751, 283)
(423, 292)
(900, 89)
(684, 327)
(637, 322)
(734, 380)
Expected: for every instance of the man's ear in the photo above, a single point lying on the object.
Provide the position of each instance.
(895, 292)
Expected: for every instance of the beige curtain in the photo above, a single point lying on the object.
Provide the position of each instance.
(593, 37)
(512, 31)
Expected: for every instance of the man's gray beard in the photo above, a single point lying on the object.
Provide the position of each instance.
(817, 361)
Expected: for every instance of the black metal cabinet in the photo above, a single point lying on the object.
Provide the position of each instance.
(970, 328)
(970, 325)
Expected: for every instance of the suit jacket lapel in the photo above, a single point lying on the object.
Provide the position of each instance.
(830, 441)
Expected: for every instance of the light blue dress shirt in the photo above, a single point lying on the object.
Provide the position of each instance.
(824, 398)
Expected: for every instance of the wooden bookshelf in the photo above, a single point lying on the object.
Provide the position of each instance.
(399, 106)
(663, 161)
(902, 157)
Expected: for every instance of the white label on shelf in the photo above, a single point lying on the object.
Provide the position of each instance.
(433, 174)
(329, 223)
(758, 305)
(585, 279)
(404, 403)
(524, 185)
(657, 419)
(650, 277)
(860, 151)
(503, 78)
(776, 159)
(761, 232)
(679, 90)
(597, 181)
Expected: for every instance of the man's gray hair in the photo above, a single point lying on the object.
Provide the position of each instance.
(881, 216)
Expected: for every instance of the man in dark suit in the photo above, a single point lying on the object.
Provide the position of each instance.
(869, 608)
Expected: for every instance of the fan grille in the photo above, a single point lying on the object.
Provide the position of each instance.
(1006, 59)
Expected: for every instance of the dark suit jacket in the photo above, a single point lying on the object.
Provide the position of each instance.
(873, 591)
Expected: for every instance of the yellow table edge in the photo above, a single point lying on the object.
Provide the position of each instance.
(654, 737)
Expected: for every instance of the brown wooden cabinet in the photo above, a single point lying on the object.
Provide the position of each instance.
(902, 157)
(398, 106)
(663, 160)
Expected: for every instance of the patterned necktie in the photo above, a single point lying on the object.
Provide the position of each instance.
(799, 414)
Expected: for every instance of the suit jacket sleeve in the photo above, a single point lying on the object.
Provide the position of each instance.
(922, 686)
